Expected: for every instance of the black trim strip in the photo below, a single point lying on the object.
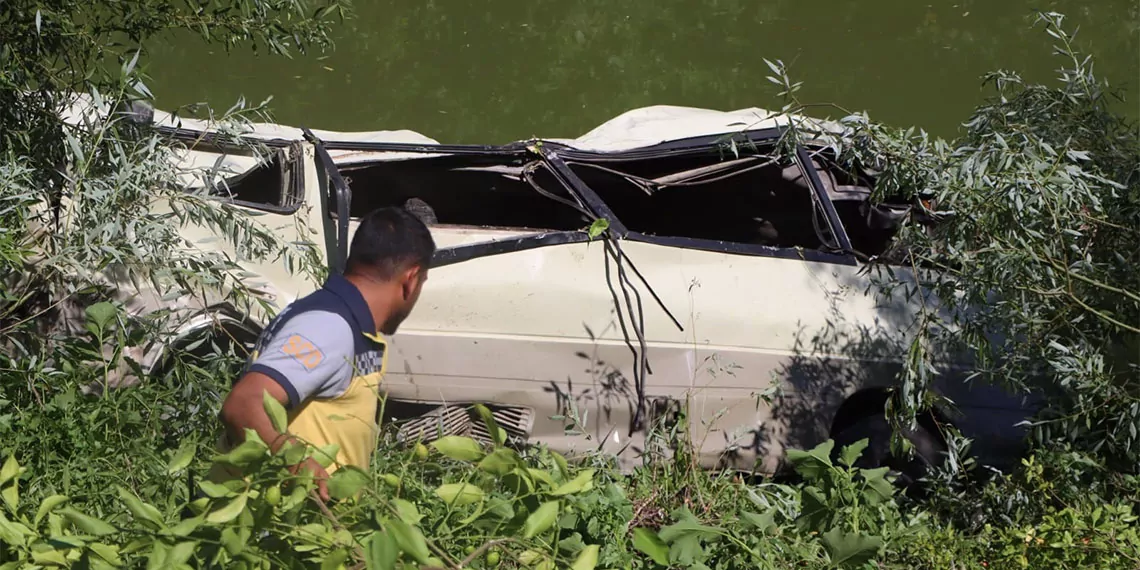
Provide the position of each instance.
(586, 194)
(513, 149)
(833, 221)
(750, 249)
(343, 196)
(459, 254)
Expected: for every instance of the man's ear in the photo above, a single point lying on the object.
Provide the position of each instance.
(408, 280)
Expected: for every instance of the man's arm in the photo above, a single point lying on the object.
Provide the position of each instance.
(244, 407)
(309, 357)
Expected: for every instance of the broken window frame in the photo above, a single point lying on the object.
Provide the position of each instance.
(286, 156)
(552, 156)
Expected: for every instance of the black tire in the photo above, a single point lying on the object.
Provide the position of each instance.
(929, 447)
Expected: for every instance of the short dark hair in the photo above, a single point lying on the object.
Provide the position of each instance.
(388, 240)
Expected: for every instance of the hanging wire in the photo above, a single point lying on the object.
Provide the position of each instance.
(528, 175)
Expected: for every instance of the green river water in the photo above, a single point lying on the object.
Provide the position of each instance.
(491, 72)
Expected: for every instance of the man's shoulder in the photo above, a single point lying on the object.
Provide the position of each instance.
(324, 324)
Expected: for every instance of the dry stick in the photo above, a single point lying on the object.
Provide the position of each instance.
(336, 522)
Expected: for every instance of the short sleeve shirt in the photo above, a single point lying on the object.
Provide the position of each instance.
(324, 351)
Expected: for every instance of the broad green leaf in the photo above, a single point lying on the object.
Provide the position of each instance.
(47, 505)
(157, 557)
(459, 493)
(850, 550)
(541, 519)
(762, 522)
(851, 453)
(334, 560)
(100, 315)
(292, 452)
(87, 524)
(13, 533)
(598, 227)
(459, 448)
(498, 434)
(500, 462)
(275, 411)
(518, 482)
(142, 511)
(10, 469)
(648, 543)
(531, 557)
(247, 452)
(325, 454)
(878, 488)
(580, 484)
(815, 513)
(181, 553)
(234, 540)
(49, 558)
(346, 482)
(541, 476)
(410, 540)
(182, 458)
(382, 552)
(688, 525)
(814, 463)
(107, 552)
(11, 495)
(230, 511)
(407, 511)
(186, 526)
(587, 559)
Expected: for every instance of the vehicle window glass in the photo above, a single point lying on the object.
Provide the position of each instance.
(462, 191)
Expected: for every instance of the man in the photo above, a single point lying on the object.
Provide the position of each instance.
(322, 358)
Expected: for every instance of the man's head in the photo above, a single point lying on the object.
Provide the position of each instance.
(388, 260)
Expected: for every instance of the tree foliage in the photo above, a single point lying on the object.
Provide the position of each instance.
(1033, 255)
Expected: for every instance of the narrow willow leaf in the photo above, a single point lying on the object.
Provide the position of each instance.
(10, 470)
(141, 510)
(275, 411)
(47, 505)
(182, 458)
(87, 524)
(498, 435)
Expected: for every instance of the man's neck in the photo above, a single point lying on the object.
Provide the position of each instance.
(370, 289)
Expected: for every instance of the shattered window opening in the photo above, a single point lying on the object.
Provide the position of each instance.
(271, 185)
(747, 199)
(463, 191)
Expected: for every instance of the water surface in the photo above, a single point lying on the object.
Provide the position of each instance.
(492, 72)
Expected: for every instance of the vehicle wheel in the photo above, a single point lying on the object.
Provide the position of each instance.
(929, 447)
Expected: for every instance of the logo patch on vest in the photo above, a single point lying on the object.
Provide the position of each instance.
(303, 351)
